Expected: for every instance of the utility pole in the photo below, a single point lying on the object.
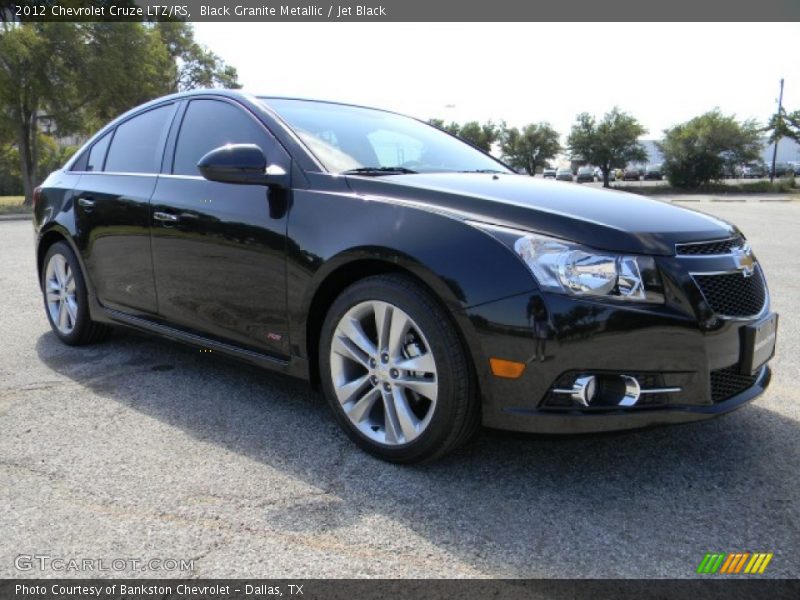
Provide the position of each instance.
(777, 139)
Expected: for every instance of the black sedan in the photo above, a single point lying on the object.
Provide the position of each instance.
(564, 175)
(420, 283)
(585, 174)
(653, 173)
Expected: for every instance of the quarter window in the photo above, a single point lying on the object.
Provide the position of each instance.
(98, 154)
(209, 124)
(136, 147)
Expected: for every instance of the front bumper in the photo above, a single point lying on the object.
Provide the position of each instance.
(679, 343)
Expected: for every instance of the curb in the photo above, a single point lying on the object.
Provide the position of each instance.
(17, 217)
(750, 199)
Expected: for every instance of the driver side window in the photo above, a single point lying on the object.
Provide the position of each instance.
(209, 124)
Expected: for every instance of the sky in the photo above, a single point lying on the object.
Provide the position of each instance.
(662, 73)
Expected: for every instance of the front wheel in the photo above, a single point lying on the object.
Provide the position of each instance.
(395, 372)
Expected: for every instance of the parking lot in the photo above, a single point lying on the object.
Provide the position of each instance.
(140, 448)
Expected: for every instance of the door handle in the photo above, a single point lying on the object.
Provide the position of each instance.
(165, 217)
(86, 202)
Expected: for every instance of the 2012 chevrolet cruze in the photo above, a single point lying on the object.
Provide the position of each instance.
(425, 286)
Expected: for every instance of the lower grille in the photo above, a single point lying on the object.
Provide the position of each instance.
(727, 382)
(733, 294)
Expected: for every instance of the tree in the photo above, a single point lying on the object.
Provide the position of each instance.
(479, 135)
(530, 147)
(783, 125)
(703, 148)
(610, 143)
(71, 77)
(452, 128)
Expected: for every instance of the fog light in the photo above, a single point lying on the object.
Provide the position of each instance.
(632, 391)
(583, 390)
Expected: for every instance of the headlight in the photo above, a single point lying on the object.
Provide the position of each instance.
(567, 267)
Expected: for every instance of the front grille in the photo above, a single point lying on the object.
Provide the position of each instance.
(708, 248)
(726, 383)
(733, 294)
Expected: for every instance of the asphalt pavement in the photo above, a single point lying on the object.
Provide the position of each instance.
(140, 449)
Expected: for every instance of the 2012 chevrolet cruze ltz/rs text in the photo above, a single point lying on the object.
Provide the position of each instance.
(424, 286)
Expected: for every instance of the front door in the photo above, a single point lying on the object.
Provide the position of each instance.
(218, 248)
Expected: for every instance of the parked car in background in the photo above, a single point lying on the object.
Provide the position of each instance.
(782, 169)
(549, 173)
(564, 175)
(795, 165)
(653, 172)
(585, 174)
(423, 292)
(752, 171)
(631, 174)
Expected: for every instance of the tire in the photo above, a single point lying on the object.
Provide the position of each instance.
(65, 300)
(433, 407)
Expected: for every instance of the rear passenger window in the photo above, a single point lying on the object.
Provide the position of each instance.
(136, 147)
(209, 124)
(98, 154)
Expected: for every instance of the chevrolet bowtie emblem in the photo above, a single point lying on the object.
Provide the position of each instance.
(744, 260)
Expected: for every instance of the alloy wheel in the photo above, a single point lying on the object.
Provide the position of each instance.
(384, 373)
(62, 303)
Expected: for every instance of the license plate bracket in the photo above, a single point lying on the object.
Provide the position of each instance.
(758, 343)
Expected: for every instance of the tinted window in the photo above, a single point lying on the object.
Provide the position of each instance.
(136, 147)
(209, 124)
(98, 154)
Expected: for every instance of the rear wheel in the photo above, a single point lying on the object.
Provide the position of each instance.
(65, 299)
(395, 372)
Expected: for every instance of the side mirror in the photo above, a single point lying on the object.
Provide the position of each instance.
(242, 164)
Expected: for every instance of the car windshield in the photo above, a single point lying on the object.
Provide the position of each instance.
(585, 170)
(351, 139)
(564, 171)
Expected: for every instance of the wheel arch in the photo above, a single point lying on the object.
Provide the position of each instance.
(47, 239)
(351, 271)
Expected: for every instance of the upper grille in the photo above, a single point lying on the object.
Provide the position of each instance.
(726, 383)
(733, 294)
(708, 248)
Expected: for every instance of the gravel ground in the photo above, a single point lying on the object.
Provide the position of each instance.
(140, 448)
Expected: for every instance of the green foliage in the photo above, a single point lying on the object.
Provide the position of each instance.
(51, 156)
(702, 149)
(70, 78)
(529, 147)
(479, 135)
(784, 125)
(610, 143)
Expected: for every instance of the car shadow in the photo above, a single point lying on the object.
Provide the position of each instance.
(510, 505)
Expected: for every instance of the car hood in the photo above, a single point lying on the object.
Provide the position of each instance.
(603, 219)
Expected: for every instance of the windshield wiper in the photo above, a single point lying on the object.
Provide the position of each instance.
(376, 171)
(485, 171)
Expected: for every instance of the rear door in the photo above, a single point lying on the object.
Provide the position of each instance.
(218, 248)
(112, 210)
